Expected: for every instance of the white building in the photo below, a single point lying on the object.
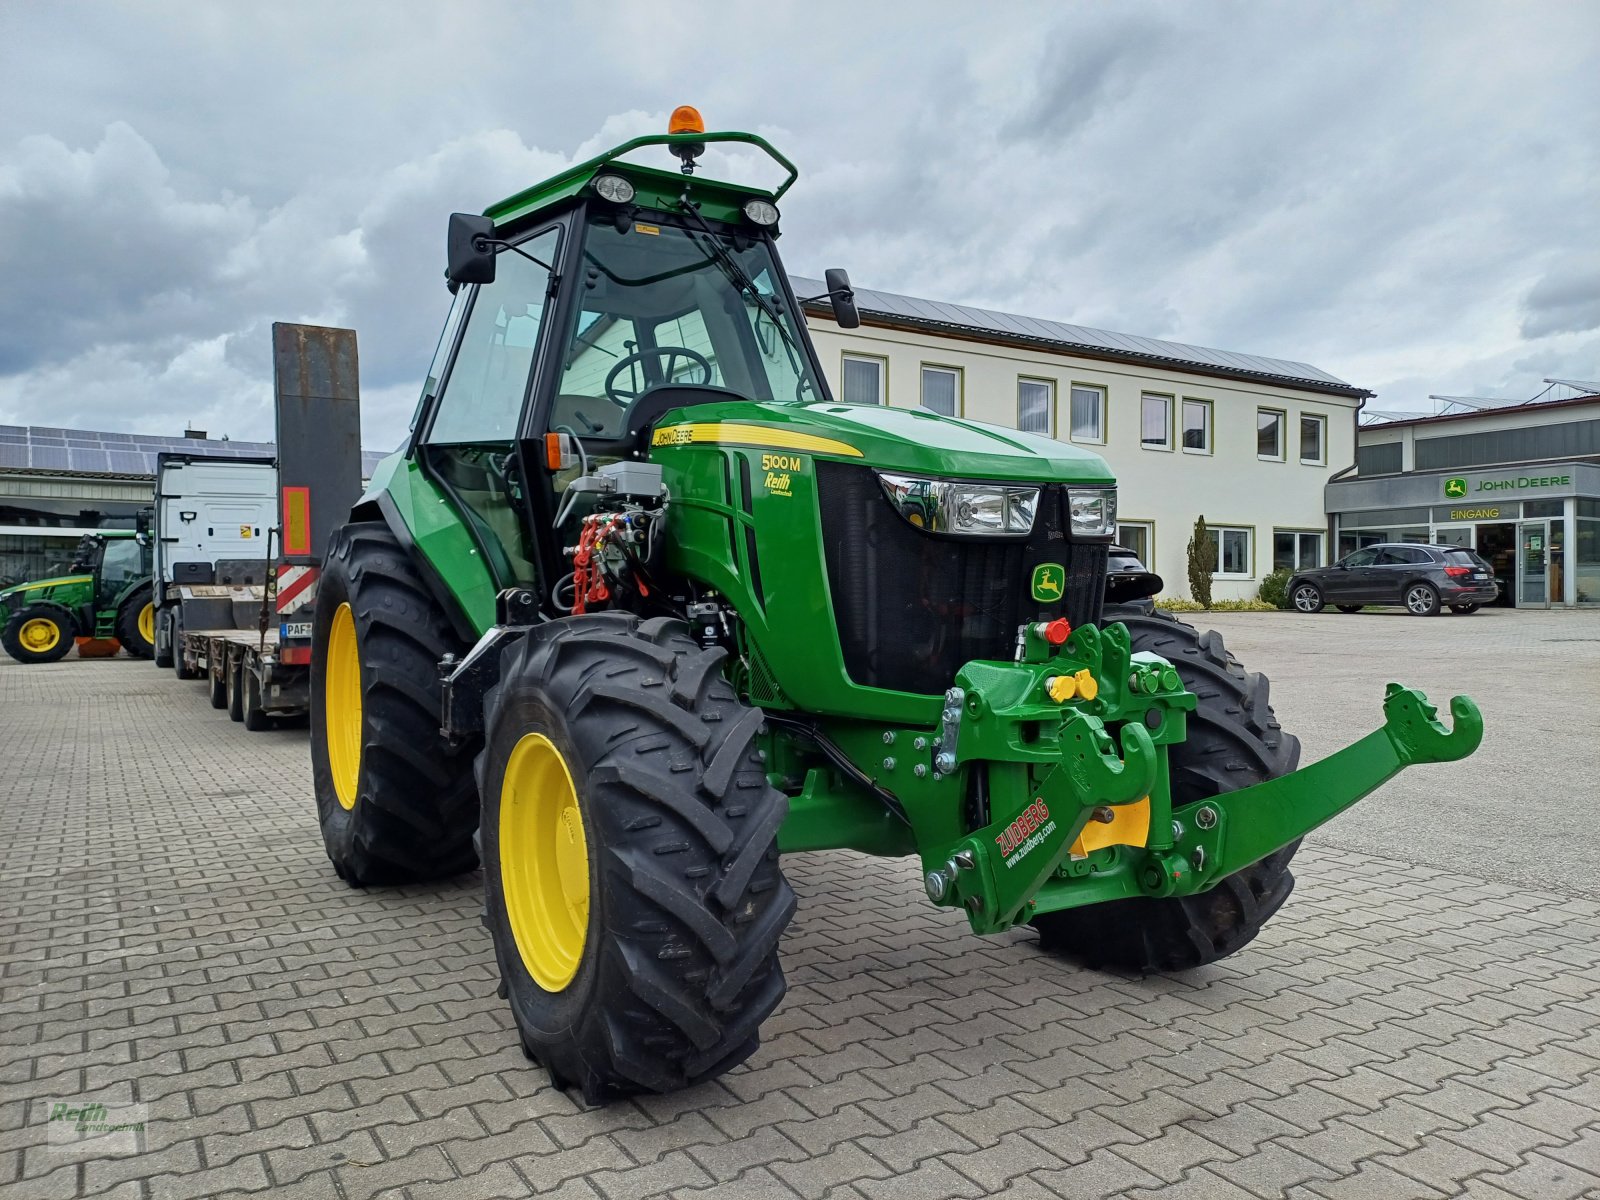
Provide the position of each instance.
(1246, 441)
(1517, 482)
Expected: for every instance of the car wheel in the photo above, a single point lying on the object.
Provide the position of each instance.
(1464, 609)
(1306, 597)
(1422, 600)
(1348, 608)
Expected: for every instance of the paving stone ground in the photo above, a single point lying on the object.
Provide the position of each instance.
(171, 935)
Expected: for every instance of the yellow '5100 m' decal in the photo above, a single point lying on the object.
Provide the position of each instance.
(729, 434)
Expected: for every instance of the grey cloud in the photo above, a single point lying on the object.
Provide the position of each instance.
(1567, 300)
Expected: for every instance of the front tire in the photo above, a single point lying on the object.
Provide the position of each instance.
(163, 651)
(136, 623)
(39, 633)
(396, 802)
(1234, 741)
(630, 856)
(1306, 597)
(1422, 600)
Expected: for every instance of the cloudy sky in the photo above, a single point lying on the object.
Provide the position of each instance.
(1404, 195)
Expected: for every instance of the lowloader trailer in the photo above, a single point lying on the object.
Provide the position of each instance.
(639, 607)
(255, 650)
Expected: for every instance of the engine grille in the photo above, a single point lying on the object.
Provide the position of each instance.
(912, 608)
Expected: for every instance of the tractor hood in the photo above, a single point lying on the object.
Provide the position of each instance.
(898, 439)
(17, 592)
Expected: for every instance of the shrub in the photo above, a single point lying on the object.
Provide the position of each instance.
(1182, 604)
(1202, 562)
(1275, 588)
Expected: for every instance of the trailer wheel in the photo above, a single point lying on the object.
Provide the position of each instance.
(233, 672)
(254, 717)
(163, 652)
(217, 681)
(396, 801)
(1234, 741)
(136, 623)
(39, 633)
(631, 873)
(180, 666)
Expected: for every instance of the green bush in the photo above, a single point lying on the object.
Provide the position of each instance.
(1275, 588)
(1180, 604)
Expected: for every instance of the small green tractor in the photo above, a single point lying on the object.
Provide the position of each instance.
(103, 598)
(638, 607)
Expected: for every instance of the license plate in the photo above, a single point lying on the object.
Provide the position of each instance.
(296, 629)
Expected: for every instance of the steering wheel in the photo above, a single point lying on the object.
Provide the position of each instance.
(622, 397)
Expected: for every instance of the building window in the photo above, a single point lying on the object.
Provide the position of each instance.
(863, 379)
(1140, 537)
(1036, 401)
(1314, 440)
(1155, 422)
(1233, 550)
(941, 390)
(1297, 549)
(1269, 434)
(1380, 459)
(1088, 413)
(1197, 426)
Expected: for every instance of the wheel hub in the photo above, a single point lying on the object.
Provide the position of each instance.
(147, 622)
(39, 635)
(341, 706)
(544, 862)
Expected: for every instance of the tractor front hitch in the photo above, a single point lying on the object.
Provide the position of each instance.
(1075, 822)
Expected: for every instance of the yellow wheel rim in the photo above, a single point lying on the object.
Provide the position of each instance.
(544, 862)
(39, 635)
(147, 622)
(341, 706)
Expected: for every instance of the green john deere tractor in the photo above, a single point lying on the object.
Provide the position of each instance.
(104, 595)
(639, 606)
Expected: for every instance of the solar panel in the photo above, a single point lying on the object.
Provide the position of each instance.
(1074, 336)
(47, 448)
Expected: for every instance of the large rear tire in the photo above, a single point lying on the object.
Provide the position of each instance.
(136, 623)
(1234, 741)
(630, 856)
(395, 800)
(40, 632)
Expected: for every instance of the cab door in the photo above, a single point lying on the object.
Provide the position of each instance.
(469, 441)
(121, 563)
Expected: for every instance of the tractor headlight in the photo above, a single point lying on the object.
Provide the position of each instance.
(613, 188)
(761, 212)
(1094, 511)
(963, 509)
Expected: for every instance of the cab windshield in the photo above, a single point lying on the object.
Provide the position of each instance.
(669, 304)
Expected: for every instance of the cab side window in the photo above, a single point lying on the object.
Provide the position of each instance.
(482, 397)
(1361, 558)
(121, 564)
(470, 442)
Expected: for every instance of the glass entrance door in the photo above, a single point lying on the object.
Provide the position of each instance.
(1533, 564)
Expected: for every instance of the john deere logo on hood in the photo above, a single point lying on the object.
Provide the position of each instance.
(1454, 489)
(1049, 582)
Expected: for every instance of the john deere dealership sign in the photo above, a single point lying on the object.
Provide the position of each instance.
(1459, 488)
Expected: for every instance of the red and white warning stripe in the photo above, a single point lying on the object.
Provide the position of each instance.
(297, 588)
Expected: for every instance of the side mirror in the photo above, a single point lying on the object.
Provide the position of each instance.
(470, 259)
(842, 298)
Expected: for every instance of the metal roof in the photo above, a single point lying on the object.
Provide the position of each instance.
(45, 448)
(939, 316)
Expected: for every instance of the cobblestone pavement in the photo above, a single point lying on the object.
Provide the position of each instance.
(172, 935)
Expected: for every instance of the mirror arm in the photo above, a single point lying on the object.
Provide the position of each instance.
(483, 243)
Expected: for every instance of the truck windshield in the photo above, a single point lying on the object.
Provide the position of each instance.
(664, 303)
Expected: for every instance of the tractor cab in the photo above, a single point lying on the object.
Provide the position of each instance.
(114, 560)
(585, 310)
